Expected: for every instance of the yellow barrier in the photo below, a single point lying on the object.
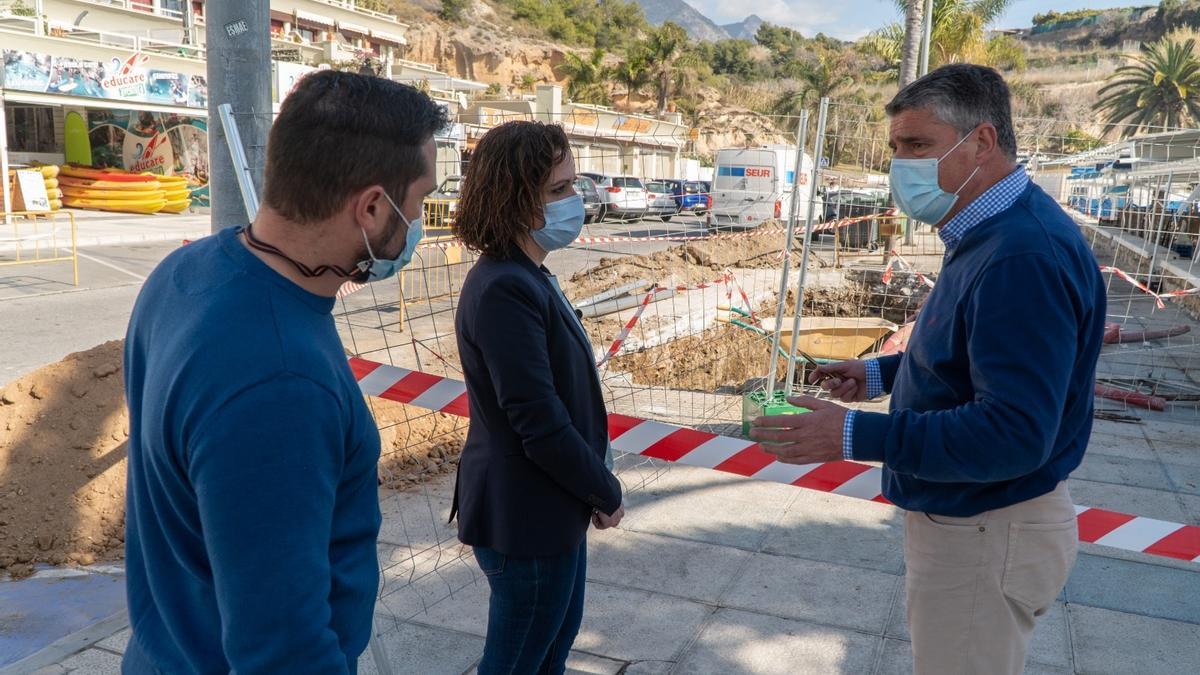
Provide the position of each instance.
(21, 243)
(438, 213)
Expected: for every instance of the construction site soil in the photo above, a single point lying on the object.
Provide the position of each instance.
(63, 459)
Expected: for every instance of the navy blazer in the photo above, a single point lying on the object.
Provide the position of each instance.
(532, 469)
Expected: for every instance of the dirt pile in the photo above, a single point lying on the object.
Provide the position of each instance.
(63, 450)
(726, 357)
(62, 463)
(722, 357)
(416, 444)
(692, 263)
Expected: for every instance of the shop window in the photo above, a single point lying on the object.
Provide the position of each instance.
(30, 128)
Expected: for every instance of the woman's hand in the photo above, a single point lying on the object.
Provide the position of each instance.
(603, 522)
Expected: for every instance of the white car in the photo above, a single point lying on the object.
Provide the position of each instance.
(660, 200)
(622, 196)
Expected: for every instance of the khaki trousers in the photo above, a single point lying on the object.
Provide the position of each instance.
(976, 585)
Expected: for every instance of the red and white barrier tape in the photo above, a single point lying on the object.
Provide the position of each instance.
(746, 458)
(887, 274)
(681, 238)
(620, 339)
(624, 334)
(1158, 297)
(844, 222)
(741, 291)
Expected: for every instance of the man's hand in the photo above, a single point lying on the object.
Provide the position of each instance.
(845, 381)
(603, 522)
(805, 438)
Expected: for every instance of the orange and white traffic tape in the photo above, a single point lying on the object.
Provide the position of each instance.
(683, 445)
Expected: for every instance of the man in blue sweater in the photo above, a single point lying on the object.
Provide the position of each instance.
(252, 506)
(991, 404)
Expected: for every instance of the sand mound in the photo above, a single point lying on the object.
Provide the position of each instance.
(692, 263)
(62, 459)
(62, 463)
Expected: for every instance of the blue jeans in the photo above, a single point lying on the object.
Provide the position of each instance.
(535, 611)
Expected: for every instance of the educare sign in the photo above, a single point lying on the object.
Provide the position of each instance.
(121, 79)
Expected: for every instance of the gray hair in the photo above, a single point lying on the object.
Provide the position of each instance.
(964, 96)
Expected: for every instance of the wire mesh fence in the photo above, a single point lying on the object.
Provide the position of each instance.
(697, 296)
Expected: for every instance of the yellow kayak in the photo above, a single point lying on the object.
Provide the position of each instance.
(51, 183)
(67, 183)
(176, 206)
(55, 204)
(119, 205)
(173, 179)
(174, 195)
(112, 175)
(114, 195)
(54, 193)
(49, 171)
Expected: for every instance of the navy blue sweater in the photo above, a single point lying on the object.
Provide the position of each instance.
(992, 403)
(252, 493)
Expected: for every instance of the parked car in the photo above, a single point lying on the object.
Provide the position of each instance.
(623, 196)
(592, 205)
(696, 197)
(661, 199)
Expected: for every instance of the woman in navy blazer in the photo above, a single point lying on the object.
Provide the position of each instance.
(536, 468)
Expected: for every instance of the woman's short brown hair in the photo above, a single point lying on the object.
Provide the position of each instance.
(502, 191)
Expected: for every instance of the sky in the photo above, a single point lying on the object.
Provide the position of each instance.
(852, 19)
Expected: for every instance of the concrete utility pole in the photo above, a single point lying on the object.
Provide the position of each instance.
(239, 73)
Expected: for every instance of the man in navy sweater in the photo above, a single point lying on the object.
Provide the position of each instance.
(252, 507)
(991, 404)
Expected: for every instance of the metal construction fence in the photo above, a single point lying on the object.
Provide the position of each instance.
(692, 322)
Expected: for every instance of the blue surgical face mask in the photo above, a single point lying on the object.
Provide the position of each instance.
(915, 187)
(380, 269)
(564, 222)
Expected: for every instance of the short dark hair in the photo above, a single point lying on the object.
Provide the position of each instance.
(340, 132)
(964, 96)
(501, 194)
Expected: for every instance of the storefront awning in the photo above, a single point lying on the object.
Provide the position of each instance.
(317, 19)
(32, 98)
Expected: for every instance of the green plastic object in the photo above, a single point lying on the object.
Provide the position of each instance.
(755, 404)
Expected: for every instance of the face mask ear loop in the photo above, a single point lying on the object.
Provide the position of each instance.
(370, 253)
(968, 180)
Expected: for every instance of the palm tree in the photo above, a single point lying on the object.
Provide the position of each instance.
(665, 51)
(958, 35)
(827, 76)
(910, 51)
(1161, 88)
(585, 77)
(633, 73)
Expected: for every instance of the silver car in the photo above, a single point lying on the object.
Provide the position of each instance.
(660, 200)
(623, 197)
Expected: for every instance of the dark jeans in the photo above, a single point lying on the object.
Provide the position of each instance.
(535, 611)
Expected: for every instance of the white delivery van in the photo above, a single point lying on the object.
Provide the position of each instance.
(754, 185)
